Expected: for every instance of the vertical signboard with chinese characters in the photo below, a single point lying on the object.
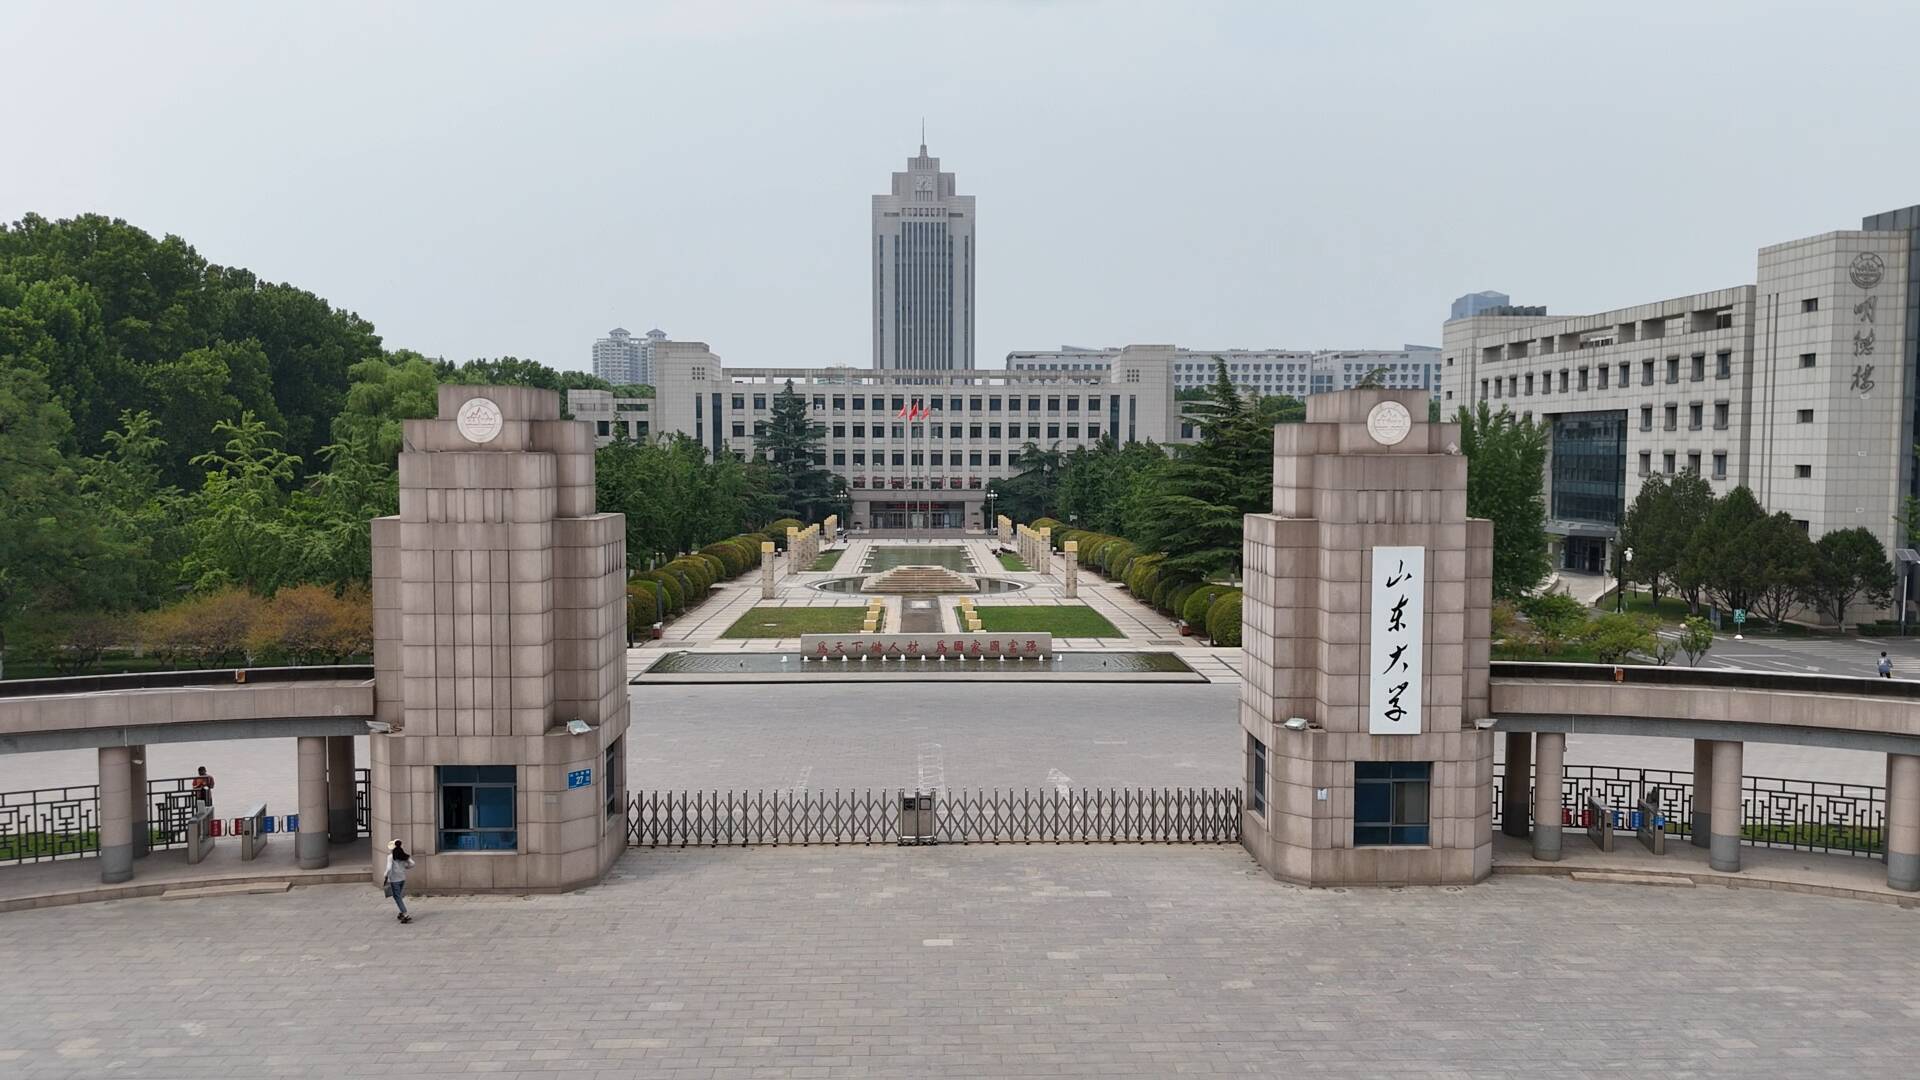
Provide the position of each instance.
(1866, 271)
(1395, 643)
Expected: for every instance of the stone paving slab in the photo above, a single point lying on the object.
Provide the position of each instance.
(966, 962)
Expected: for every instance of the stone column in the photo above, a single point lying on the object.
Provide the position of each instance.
(116, 814)
(1723, 843)
(1549, 771)
(1516, 790)
(1044, 544)
(1903, 822)
(310, 843)
(342, 820)
(833, 527)
(1002, 529)
(766, 570)
(1072, 575)
(142, 808)
(1700, 827)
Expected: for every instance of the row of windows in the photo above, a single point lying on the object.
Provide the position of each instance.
(1669, 462)
(936, 483)
(1653, 329)
(934, 431)
(1523, 385)
(899, 402)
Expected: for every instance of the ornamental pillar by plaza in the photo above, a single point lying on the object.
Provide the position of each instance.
(833, 527)
(139, 809)
(310, 843)
(502, 666)
(1365, 627)
(766, 570)
(1723, 842)
(1701, 825)
(116, 814)
(1003, 528)
(1516, 789)
(343, 823)
(1903, 822)
(1549, 777)
(1044, 545)
(1072, 573)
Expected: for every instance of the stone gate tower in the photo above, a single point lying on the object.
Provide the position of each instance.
(500, 651)
(1365, 625)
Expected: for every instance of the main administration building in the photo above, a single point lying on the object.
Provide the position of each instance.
(920, 434)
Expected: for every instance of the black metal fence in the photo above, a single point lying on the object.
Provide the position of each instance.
(1809, 815)
(64, 822)
(1114, 816)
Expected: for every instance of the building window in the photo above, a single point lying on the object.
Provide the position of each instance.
(839, 457)
(1257, 775)
(1697, 370)
(1626, 374)
(993, 458)
(1053, 431)
(739, 401)
(839, 403)
(605, 428)
(1673, 418)
(1390, 802)
(1646, 373)
(1583, 379)
(1723, 320)
(1673, 369)
(1693, 462)
(1720, 466)
(1666, 463)
(1695, 415)
(1529, 385)
(1603, 376)
(739, 429)
(1719, 416)
(1646, 463)
(1811, 303)
(1563, 380)
(611, 771)
(477, 807)
(1806, 359)
(1646, 418)
(839, 431)
(1805, 416)
(759, 401)
(1803, 472)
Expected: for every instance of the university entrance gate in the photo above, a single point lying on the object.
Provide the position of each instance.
(899, 816)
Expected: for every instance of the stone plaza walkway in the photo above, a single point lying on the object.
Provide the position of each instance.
(966, 962)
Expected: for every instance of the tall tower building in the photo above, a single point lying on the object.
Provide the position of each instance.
(923, 271)
(624, 360)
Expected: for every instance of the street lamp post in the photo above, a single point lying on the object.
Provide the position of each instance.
(991, 522)
(1620, 593)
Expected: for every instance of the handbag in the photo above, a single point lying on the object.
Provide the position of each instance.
(386, 889)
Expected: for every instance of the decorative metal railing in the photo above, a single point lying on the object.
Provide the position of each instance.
(64, 823)
(1810, 815)
(1114, 816)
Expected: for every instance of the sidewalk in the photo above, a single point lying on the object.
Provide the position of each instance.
(1851, 877)
(75, 881)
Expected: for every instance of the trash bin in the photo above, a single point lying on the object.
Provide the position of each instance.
(916, 818)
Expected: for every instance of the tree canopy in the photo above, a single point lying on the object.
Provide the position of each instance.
(1506, 458)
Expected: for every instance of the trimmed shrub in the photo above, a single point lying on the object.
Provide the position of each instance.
(1161, 591)
(717, 569)
(203, 631)
(1223, 620)
(673, 596)
(749, 551)
(732, 565)
(779, 530)
(308, 624)
(1048, 523)
(1177, 597)
(644, 608)
(1093, 549)
(1119, 557)
(1193, 611)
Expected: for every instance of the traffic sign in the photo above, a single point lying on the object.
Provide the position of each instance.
(1739, 616)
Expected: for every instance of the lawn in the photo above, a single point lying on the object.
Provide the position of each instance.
(779, 622)
(1010, 561)
(1671, 609)
(828, 559)
(1069, 620)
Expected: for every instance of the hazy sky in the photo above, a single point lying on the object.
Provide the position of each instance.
(516, 179)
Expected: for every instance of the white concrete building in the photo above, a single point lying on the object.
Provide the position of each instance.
(923, 271)
(1296, 373)
(1799, 387)
(925, 471)
(625, 360)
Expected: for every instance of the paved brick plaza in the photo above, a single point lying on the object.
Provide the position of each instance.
(964, 962)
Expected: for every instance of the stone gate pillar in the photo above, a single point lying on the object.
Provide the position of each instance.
(1367, 597)
(766, 569)
(1043, 547)
(499, 651)
(1070, 576)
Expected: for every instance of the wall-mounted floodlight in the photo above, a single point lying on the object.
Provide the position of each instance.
(1485, 722)
(1297, 723)
(578, 727)
(379, 727)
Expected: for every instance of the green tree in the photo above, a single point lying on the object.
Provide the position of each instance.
(1200, 499)
(1613, 638)
(1850, 567)
(383, 394)
(1696, 637)
(1506, 459)
(144, 515)
(1718, 557)
(792, 447)
(1785, 558)
(238, 535)
(1556, 618)
(1658, 526)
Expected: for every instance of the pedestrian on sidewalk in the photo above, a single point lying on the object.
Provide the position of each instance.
(398, 863)
(1886, 666)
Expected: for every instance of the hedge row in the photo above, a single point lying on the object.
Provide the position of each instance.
(1210, 609)
(665, 591)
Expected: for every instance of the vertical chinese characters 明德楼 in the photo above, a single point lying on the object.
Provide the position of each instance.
(1397, 640)
(1866, 271)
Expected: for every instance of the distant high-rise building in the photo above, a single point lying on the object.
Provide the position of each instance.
(624, 360)
(1474, 303)
(923, 271)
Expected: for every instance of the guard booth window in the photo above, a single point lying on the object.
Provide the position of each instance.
(610, 774)
(1257, 775)
(477, 808)
(1390, 802)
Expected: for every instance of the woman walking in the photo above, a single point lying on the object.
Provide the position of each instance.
(398, 863)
